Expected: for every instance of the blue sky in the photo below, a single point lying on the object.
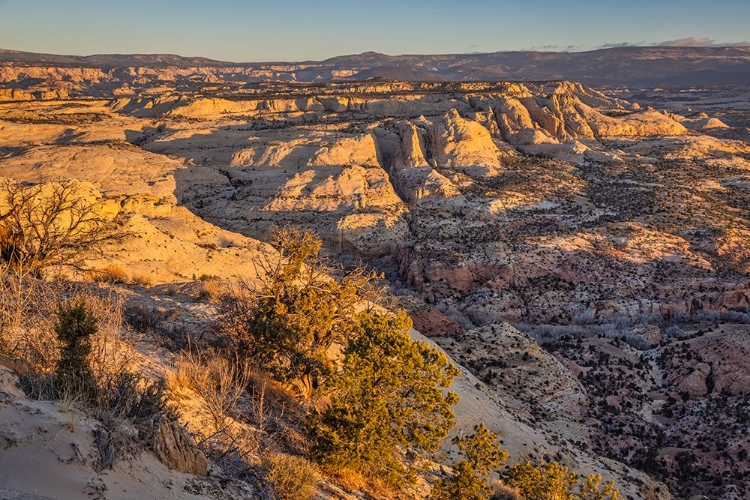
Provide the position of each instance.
(296, 30)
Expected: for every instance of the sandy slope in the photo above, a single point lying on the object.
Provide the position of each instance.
(47, 450)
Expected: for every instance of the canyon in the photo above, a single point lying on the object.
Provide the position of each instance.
(583, 253)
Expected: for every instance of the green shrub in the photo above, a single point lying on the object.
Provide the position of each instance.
(74, 327)
(482, 454)
(553, 480)
(289, 321)
(388, 397)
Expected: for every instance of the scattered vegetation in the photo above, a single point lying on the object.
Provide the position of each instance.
(382, 397)
(311, 372)
(68, 336)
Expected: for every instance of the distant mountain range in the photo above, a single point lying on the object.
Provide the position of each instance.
(639, 66)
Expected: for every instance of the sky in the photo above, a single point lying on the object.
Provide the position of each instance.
(298, 30)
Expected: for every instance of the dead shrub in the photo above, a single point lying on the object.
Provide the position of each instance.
(27, 307)
(501, 491)
(219, 382)
(50, 224)
(278, 416)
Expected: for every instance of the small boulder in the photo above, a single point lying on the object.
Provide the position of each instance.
(695, 383)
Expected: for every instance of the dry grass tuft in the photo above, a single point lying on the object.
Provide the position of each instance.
(293, 478)
(350, 480)
(141, 278)
(501, 491)
(211, 289)
(113, 273)
(219, 382)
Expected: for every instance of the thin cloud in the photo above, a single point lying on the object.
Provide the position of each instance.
(552, 48)
(622, 44)
(689, 41)
(699, 42)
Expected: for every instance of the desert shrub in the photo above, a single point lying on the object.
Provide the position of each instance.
(112, 390)
(143, 318)
(292, 478)
(30, 332)
(288, 321)
(92, 366)
(129, 408)
(41, 386)
(591, 488)
(544, 482)
(74, 327)
(27, 315)
(130, 396)
(482, 454)
(141, 278)
(501, 491)
(238, 415)
(28, 307)
(553, 480)
(387, 397)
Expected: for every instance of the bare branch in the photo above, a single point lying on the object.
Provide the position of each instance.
(49, 224)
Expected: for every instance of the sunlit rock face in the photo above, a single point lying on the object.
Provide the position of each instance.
(353, 163)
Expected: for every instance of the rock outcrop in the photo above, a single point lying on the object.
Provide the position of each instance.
(177, 450)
